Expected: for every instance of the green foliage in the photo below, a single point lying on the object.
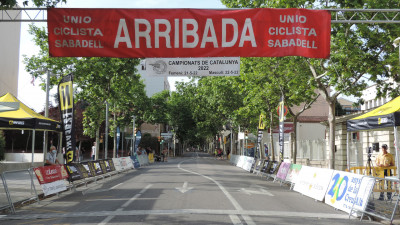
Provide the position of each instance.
(2, 145)
(157, 112)
(181, 117)
(96, 81)
(26, 3)
(148, 141)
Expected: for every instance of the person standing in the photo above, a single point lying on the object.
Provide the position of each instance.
(165, 154)
(93, 155)
(51, 157)
(384, 160)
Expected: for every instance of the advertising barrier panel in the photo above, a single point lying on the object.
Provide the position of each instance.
(89, 167)
(97, 167)
(111, 163)
(248, 163)
(313, 182)
(117, 164)
(283, 170)
(293, 173)
(74, 171)
(342, 191)
(51, 178)
(53, 187)
(48, 174)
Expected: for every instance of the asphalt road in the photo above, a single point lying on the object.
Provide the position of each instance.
(195, 189)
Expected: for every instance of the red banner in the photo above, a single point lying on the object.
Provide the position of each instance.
(141, 33)
(48, 174)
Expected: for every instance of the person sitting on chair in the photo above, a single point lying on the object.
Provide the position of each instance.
(384, 160)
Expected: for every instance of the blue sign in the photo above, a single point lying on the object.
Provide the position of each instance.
(137, 139)
(134, 157)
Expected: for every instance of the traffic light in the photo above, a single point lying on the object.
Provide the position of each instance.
(159, 138)
(246, 132)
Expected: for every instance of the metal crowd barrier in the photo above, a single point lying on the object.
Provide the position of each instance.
(373, 171)
(19, 187)
(5, 199)
(383, 199)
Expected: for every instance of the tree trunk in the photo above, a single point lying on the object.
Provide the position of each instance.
(294, 140)
(332, 125)
(80, 153)
(271, 136)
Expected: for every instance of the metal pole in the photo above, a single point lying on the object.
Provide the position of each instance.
(106, 134)
(396, 147)
(133, 135)
(33, 145)
(174, 145)
(231, 141)
(60, 139)
(348, 151)
(46, 114)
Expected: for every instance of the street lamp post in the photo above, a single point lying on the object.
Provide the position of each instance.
(106, 133)
(46, 114)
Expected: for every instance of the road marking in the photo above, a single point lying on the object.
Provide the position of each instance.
(280, 214)
(116, 186)
(37, 221)
(261, 192)
(126, 204)
(184, 188)
(229, 196)
(235, 220)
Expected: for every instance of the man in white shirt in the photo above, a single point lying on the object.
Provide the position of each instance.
(93, 151)
(51, 157)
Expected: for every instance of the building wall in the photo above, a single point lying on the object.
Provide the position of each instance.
(154, 84)
(310, 131)
(370, 100)
(9, 56)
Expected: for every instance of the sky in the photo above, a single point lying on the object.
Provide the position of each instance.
(33, 96)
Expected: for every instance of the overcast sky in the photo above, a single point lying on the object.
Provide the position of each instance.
(32, 95)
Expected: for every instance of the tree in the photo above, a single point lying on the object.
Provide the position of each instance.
(97, 81)
(180, 112)
(38, 3)
(266, 80)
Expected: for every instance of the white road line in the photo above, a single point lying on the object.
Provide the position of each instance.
(280, 214)
(126, 204)
(116, 186)
(235, 220)
(229, 196)
(109, 218)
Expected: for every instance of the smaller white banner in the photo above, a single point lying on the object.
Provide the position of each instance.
(117, 164)
(215, 66)
(249, 162)
(54, 187)
(313, 182)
